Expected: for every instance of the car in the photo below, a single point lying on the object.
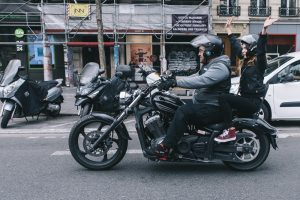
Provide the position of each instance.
(282, 100)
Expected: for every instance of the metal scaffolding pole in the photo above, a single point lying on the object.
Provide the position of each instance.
(100, 37)
(48, 73)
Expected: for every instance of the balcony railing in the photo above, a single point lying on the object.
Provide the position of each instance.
(259, 11)
(289, 12)
(229, 10)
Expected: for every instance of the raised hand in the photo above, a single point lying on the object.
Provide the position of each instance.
(228, 25)
(269, 21)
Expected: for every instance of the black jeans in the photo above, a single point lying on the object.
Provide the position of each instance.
(195, 114)
(245, 106)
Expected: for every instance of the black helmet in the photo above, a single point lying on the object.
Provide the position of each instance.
(251, 43)
(213, 45)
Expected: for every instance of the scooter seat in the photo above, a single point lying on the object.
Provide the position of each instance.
(48, 84)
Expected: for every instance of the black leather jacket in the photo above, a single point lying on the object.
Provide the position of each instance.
(252, 77)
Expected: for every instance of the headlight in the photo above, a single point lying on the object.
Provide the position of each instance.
(86, 91)
(234, 88)
(9, 89)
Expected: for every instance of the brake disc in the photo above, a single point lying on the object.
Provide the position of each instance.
(101, 149)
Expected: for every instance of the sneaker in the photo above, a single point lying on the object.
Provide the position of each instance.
(160, 151)
(226, 136)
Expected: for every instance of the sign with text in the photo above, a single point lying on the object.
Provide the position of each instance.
(190, 23)
(78, 10)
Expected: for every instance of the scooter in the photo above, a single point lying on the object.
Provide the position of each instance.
(96, 93)
(22, 97)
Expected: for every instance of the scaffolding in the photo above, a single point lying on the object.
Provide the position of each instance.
(119, 20)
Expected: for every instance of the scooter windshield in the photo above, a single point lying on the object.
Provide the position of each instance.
(89, 72)
(10, 72)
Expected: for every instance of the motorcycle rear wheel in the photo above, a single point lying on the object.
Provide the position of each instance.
(109, 153)
(5, 118)
(256, 158)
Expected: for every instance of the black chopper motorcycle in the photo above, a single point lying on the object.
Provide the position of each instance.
(99, 141)
(22, 97)
(95, 93)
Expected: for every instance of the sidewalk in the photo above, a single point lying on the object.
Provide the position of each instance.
(68, 106)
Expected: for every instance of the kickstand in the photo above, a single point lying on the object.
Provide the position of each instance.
(26, 118)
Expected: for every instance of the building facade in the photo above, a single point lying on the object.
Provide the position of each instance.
(137, 32)
(284, 35)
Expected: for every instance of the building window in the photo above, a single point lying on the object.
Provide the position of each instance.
(228, 8)
(289, 8)
(259, 8)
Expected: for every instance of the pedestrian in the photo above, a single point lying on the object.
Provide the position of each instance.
(212, 80)
(252, 50)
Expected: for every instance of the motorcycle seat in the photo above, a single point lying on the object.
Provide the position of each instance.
(218, 126)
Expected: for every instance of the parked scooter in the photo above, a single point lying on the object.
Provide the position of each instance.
(95, 93)
(23, 97)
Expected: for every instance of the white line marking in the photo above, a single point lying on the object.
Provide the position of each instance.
(67, 152)
(63, 124)
(50, 137)
(33, 137)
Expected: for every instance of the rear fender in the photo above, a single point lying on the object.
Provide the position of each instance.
(122, 127)
(260, 125)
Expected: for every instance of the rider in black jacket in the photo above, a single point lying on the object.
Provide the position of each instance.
(252, 49)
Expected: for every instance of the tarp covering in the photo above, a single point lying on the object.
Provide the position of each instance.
(127, 16)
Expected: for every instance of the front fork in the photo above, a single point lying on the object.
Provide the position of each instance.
(10, 106)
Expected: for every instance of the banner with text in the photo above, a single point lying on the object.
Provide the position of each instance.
(189, 24)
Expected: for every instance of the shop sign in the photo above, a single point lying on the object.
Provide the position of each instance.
(78, 10)
(19, 33)
(190, 23)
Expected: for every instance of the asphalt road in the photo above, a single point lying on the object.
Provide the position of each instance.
(40, 167)
(36, 165)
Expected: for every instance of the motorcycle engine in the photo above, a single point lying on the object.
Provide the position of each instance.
(192, 144)
(155, 126)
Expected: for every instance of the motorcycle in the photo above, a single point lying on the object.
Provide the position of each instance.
(95, 93)
(23, 97)
(100, 141)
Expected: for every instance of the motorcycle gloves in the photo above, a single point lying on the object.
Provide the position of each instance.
(165, 85)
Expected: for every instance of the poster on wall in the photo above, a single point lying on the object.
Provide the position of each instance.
(189, 24)
(35, 51)
(183, 60)
(139, 53)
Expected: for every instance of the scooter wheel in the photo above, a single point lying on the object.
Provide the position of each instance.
(6, 117)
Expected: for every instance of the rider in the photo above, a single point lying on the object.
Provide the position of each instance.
(252, 50)
(212, 80)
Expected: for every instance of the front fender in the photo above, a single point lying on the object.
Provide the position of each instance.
(124, 131)
(81, 101)
(258, 124)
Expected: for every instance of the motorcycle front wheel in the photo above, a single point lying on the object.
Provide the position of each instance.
(253, 150)
(5, 118)
(108, 153)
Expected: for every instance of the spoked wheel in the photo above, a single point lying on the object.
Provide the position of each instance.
(252, 150)
(108, 153)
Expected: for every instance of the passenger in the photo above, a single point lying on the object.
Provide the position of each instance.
(252, 50)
